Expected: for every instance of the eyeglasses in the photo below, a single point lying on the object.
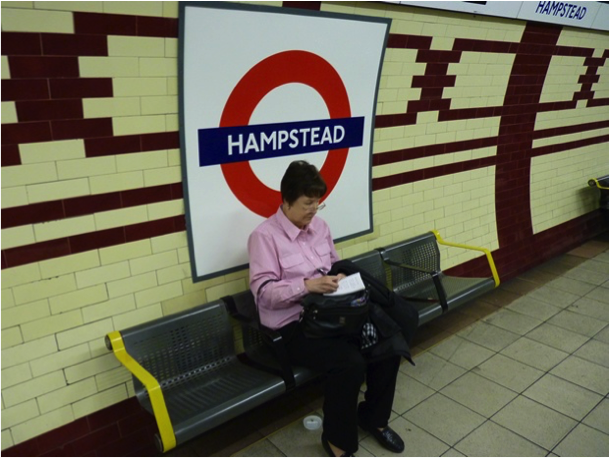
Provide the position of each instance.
(314, 207)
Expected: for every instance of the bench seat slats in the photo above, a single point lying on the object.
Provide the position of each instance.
(192, 357)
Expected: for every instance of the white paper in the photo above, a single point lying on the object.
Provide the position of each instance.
(348, 285)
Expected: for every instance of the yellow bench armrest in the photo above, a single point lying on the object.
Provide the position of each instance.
(152, 385)
(593, 182)
(487, 252)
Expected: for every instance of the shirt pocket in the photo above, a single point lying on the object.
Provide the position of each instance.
(292, 265)
(323, 250)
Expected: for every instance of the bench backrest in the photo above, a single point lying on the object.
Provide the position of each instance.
(176, 348)
(421, 251)
(371, 262)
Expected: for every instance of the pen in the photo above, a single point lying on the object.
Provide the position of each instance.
(321, 271)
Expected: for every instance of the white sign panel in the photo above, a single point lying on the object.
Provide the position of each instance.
(260, 88)
(575, 14)
(592, 15)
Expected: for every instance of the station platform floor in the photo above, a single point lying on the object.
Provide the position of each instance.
(522, 371)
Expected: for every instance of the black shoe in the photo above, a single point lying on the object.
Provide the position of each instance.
(388, 438)
(326, 446)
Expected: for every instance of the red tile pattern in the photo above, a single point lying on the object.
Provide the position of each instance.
(123, 429)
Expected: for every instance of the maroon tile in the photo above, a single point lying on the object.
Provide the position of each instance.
(140, 443)
(129, 408)
(95, 440)
(62, 44)
(43, 67)
(35, 253)
(32, 214)
(96, 240)
(156, 27)
(47, 110)
(177, 191)
(104, 24)
(165, 140)
(179, 223)
(27, 448)
(87, 205)
(73, 88)
(63, 435)
(404, 119)
(109, 146)
(418, 42)
(25, 89)
(435, 56)
(26, 132)
(150, 229)
(314, 6)
(144, 196)
(10, 155)
(598, 102)
(82, 128)
(21, 44)
(396, 40)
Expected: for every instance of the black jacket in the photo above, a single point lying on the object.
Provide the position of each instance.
(395, 319)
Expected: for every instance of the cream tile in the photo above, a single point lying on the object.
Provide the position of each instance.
(494, 440)
(262, 448)
(537, 423)
(409, 393)
(590, 272)
(512, 321)
(554, 296)
(599, 417)
(489, 336)
(596, 352)
(479, 394)
(584, 441)
(603, 335)
(453, 452)
(558, 338)
(599, 294)
(418, 442)
(563, 396)
(578, 323)
(295, 440)
(569, 285)
(584, 373)
(444, 418)
(595, 265)
(509, 373)
(592, 308)
(534, 354)
(461, 352)
(534, 308)
(432, 371)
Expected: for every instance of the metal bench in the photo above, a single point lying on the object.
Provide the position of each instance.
(186, 373)
(601, 183)
(416, 274)
(264, 347)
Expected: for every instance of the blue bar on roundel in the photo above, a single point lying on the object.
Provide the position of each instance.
(222, 145)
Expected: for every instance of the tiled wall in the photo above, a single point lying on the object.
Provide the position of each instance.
(487, 129)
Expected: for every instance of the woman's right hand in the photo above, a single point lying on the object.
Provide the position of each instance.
(322, 285)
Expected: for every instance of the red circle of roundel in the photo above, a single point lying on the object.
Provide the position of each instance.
(283, 68)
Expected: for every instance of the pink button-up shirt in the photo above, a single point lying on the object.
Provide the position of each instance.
(282, 257)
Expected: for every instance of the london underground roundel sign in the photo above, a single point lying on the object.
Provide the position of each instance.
(261, 83)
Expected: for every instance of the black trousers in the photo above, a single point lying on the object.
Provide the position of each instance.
(346, 370)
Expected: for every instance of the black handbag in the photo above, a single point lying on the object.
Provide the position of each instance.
(334, 316)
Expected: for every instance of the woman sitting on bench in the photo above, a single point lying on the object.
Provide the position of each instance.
(290, 255)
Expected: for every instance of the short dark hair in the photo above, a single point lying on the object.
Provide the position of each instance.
(302, 179)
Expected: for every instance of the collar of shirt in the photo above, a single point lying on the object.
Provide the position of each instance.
(290, 228)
